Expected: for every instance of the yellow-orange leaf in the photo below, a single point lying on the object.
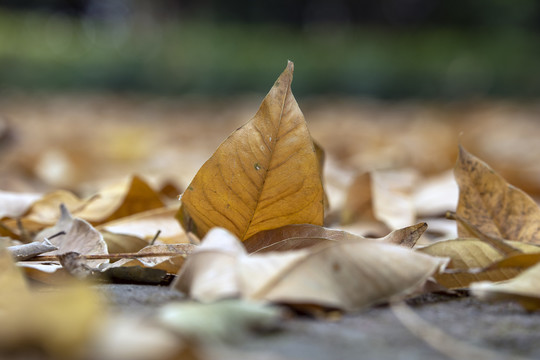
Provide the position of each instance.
(264, 176)
(493, 206)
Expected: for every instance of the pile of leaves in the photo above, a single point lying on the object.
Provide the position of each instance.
(254, 224)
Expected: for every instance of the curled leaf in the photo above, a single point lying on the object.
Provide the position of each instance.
(79, 237)
(343, 274)
(293, 237)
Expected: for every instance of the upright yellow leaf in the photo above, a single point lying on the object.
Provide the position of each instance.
(492, 205)
(264, 176)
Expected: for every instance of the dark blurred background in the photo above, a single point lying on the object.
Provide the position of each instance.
(382, 48)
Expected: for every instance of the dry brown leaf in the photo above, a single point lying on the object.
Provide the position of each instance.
(471, 254)
(45, 210)
(209, 272)
(293, 237)
(120, 243)
(519, 261)
(524, 289)
(264, 176)
(79, 237)
(382, 195)
(392, 192)
(58, 322)
(434, 196)
(358, 201)
(121, 200)
(145, 225)
(347, 275)
(493, 206)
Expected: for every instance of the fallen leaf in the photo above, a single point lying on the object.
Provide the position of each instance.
(131, 337)
(14, 205)
(519, 261)
(468, 254)
(120, 243)
(345, 275)
(392, 197)
(523, 288)
(79, 237)
(45, 210)
(358, 201)
(434, 196)
(493, 206)
(382, 195)
(58, 322)
(293, 237)
(122, 199)
(264, 176)
(229, 320)
(145, 225)
(209, 272)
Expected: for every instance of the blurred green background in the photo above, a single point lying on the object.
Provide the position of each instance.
(388, 49)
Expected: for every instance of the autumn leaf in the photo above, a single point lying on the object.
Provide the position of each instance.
(293, 237)
(493, 206)
(346, 275)
(119, 200)
(264, 176)
(57, 322)
(523, 288)
(471, 261)
(78, 236)
(145, 225)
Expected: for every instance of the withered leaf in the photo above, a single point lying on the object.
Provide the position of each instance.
(264, 176)
(146, 224)
(58, 322)
(468, 257)
(293, 237)
(79, 237)
(493, 206)
(524, 289)
(345, 275)
(122, 199)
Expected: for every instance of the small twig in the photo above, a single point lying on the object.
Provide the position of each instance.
(55, 235)
(108, 256)
(497, 243)
(155, 237)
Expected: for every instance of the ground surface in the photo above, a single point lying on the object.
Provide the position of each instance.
(493, 329)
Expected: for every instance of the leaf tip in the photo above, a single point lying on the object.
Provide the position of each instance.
(290, 66)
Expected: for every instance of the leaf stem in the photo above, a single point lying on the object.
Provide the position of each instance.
(109, 256)
(497, 243)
